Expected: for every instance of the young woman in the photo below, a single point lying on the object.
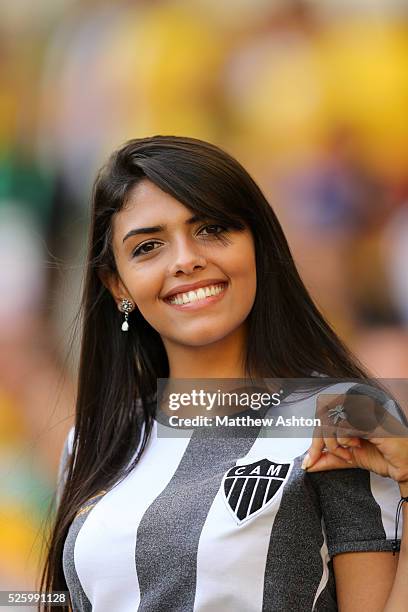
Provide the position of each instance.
(189, 276)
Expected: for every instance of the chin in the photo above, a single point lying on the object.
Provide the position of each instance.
(203, 338)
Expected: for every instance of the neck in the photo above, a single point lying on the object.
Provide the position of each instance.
(220, 359)
(223, 359)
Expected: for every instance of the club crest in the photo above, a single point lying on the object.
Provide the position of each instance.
(248, 489)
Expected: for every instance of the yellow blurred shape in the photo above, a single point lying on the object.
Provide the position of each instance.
(19, 541)
(365, 70)
(166, 62)
(11, 423)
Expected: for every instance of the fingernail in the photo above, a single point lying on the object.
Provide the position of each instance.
(306, 462)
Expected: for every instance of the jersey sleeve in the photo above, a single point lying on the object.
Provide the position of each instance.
(63, 464)
(358, 509)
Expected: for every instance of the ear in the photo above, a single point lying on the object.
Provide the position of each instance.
(114, 285)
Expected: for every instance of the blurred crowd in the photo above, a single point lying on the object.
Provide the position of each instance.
(312, 98)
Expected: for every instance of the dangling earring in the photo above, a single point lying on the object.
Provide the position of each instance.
(126, 306)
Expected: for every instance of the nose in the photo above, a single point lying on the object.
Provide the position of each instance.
(186, 258)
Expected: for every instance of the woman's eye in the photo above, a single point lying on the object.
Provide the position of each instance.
(212, 232)
(145, 248)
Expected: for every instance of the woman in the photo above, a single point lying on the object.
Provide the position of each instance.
(146, 521)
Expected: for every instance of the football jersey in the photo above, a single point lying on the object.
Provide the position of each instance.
(223, 519)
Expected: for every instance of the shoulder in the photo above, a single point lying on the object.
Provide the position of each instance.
(64, 462)
(69, 441)
(68, 447)
(358, 508)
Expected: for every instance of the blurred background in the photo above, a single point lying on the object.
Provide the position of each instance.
(311, 96)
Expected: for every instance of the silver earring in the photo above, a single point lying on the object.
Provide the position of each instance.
(126, 306)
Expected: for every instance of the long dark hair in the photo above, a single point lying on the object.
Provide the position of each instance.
(287, 335)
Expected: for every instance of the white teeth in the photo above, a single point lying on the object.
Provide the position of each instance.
(200, 294)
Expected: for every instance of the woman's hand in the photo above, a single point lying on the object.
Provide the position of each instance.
(335, 447)
(384, 456)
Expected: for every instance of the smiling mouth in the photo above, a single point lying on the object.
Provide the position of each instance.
(199, 297)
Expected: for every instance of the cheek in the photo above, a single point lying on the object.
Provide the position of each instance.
(242, 267)
(145, 287)
(246, 279)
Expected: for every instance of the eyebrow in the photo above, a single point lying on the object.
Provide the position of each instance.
(154, 229)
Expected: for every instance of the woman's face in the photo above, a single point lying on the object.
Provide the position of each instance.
(155, 263)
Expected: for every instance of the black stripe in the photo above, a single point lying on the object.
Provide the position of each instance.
(169, 532)
(294, 566)
(79, 601)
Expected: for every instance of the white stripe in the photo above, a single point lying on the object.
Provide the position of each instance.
(266, 492)
(240, 550)
(240, 495)
(324, 553)
(233, 485)
(104, 552)
(252, 497)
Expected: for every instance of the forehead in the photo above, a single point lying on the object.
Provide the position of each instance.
(146, 193)
(148, 204)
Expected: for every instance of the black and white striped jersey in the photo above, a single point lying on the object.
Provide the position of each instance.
(221, 523)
